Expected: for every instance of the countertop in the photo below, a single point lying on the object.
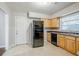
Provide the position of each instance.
(68, 33)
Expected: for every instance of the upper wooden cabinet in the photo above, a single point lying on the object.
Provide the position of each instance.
(52, 23)
(55, 22)
(47, 23)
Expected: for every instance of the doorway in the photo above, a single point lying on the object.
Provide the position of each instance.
(3, 31)
(20, 30)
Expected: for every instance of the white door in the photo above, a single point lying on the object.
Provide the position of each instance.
(20, 24)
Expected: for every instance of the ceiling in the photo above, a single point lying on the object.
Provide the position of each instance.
(36, 7)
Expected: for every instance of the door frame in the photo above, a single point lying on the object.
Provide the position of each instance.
(15, 30)
(16, 15)
(7, 31)
(6, 21)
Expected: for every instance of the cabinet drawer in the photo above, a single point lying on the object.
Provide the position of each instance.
(70, 37)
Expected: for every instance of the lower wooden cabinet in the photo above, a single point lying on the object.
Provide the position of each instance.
(49, 37)
(77, 45)
(61, 41)
(68, 43)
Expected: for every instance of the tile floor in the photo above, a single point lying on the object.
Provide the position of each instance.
(47, 50)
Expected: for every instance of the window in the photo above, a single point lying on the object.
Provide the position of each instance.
(70, 22)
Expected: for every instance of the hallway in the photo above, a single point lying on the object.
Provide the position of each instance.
(47, 50)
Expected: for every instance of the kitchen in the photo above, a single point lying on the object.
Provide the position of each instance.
(66, 39)
(43, 27)
(64, 30)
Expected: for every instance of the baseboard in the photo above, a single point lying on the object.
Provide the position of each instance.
(11, 46)
(21, 43)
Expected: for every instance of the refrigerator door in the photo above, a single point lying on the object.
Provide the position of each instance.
(38, 39)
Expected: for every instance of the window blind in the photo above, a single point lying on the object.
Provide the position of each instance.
(70, 22)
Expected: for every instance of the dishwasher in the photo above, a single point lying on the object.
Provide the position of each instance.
(54, 38)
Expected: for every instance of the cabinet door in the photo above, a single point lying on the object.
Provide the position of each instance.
(47, 23)
(61, 41)
(58, 40)
(49, 37)
(52, 23)
(73, 47)
(70, 45)
(77, 44)
(55, 22)
(67, 47)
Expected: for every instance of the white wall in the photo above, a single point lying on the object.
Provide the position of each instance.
(38, 15)
(67, 10)
(5, 8)
(11, 30)
(29, 21)
(10, 24)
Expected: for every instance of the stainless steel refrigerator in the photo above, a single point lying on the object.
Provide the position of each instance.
(38, 36)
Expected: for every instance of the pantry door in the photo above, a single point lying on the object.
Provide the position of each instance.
(20, 30)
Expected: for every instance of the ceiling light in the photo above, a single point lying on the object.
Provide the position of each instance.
(44, 3)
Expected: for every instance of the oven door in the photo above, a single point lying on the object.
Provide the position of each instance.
(54, 38)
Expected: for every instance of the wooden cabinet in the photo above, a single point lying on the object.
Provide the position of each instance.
(49, 37)
(55, 22)
(68, 43)
(52, 23)
(47, 23)
(77, 44)
(61, 41)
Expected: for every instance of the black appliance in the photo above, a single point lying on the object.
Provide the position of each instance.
(54, 38)
(38, 39)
